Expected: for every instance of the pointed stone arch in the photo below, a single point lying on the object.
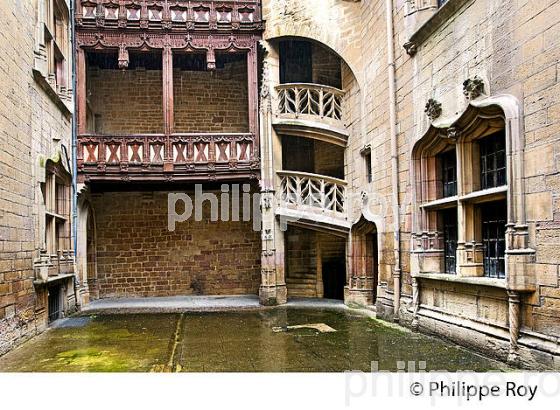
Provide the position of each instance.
(364, 255)
(86, 261)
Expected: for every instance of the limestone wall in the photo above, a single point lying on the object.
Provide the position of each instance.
(513, 46)
(32, 128)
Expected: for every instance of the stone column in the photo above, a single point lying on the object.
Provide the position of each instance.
(415, 302)
(514, 323)
(273, 286)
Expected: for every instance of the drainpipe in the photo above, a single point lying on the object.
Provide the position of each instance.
(394, 158)
(74, 150)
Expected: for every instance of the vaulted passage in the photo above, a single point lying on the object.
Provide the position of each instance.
(315, 264)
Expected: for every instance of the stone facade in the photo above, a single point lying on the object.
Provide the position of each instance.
(35, 134)
(397, 85)
(484, 67)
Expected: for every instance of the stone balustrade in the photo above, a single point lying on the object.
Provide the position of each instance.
(311, 192)
(312, 102)
(49, 267)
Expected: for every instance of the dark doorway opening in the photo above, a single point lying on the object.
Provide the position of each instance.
(296, 62)
(334, 278)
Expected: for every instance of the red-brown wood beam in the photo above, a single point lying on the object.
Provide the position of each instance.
(168, 107)
(81, 91)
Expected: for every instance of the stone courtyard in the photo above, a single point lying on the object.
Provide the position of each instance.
(400, 157)
(248, 340)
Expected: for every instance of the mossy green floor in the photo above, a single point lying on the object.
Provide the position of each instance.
(235, 341)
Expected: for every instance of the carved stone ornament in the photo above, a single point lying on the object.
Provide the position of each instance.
(410, 48)
(123, 58)
(473, 87)
(452, 133)
(433, 109)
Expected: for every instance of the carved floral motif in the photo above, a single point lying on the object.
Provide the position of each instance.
(433, 109)
(473, 87)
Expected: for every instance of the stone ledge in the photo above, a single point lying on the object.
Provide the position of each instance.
(469, 280)
(50, 279)
(285, 124)
(51, 92)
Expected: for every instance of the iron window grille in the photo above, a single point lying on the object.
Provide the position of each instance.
(494, 239)
(449, 218)
(493, 161)
(54, 305)
(448, 162)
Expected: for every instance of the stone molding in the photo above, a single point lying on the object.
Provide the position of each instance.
(433, 23)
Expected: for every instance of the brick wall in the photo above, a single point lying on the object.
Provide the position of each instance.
(138, 256)
(130, 101)
(126, 101)
(212, 101)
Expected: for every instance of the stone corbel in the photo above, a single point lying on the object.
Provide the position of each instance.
(410, 48)
(210, 59)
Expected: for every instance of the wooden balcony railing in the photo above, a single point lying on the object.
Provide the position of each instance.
(177, 156)
(176, 14)
(310, 101)
(310, 192)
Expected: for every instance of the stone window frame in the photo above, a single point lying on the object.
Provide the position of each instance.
(480, 118)
(52, 54)
(57, 202)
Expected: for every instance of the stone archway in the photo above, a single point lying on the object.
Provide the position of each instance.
(364, 263)
(86, 251)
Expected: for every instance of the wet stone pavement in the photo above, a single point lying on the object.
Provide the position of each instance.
(256, 340)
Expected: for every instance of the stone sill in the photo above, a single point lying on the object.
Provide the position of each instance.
(469, 280)
(50, 279)
(443, 14)
(51, 92)
(483, 195)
